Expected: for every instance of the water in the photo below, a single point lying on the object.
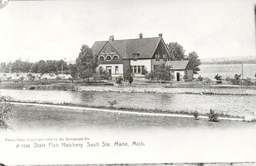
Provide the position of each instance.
(227, 70)
(228, 104)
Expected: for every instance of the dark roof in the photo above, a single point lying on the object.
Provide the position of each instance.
(146, 47)
(97, 46)
(178, 65)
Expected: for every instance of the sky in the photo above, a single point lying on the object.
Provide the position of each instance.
(56, 29)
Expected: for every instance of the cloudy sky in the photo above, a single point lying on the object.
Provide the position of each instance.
(34, 30)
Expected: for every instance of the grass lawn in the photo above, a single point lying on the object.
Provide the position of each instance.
(39, 117)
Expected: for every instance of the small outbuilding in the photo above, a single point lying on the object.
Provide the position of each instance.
(182, 70)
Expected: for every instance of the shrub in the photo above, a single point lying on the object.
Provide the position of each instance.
(213, 116)
(5, 112)
(218, 78)
(119, 80)
(247, 82)
(150, 76)
(31, 77)
(21, 78)
(130, 79)
(196, 115)
(58, 78)
(200, 78)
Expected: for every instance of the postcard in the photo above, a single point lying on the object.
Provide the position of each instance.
(141, 82)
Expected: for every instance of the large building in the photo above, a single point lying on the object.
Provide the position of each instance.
(137, 55)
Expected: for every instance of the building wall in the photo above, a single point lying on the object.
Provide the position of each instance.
(189, 74)
(137, 66)
(126, 65)
(114, 73)
(181, 73)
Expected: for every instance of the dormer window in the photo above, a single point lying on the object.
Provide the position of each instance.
(108, 58)
(135, 56)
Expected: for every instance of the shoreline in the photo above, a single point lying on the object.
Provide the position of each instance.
(199, 91)
(154, 112)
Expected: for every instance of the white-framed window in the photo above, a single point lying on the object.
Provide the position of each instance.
(139, 69)
(116, 70)
(135, 69)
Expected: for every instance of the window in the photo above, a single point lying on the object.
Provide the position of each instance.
(135, 55)
(143, 70)
(115, 58)
(108, 58)
(139, 71)
(131, 69)
(157, 56)
(165, 57)
(101, 58)
(135, 69)
(116, 70)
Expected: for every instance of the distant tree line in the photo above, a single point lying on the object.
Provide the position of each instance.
(48, 66)
(231, 62)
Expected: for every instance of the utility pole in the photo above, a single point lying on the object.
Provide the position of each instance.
(242, 72)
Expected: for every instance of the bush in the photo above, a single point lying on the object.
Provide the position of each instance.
(119, 80)
(150, 76)
(200, 78)
(58, 78)
(5, 112)
(213, 116)
(196, 115)
(130, 79)
(21, 78)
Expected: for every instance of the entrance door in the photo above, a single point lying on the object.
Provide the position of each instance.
(178, 76)
(109, 70)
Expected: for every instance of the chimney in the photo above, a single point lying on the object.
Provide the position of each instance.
(160, 35)
(141, 35)
(111, 38)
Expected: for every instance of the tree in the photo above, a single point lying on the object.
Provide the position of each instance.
(73, 72)
(86, 62)
(163, 72)
(194, 61)
(101, 74)
(176, 51)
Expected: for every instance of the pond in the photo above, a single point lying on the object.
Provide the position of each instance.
(227, 104)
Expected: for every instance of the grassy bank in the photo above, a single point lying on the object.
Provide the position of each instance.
(141, 110)
(36, 117)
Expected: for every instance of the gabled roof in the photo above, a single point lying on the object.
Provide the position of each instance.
(97, 46)
(178, 65)
(146, 47)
